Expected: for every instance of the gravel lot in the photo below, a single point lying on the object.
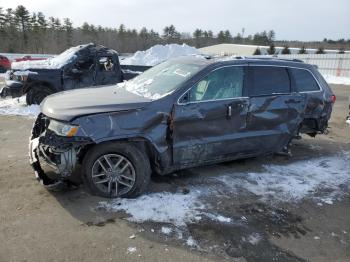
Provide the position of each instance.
(262, 209)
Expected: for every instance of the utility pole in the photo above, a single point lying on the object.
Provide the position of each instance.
(243, 30)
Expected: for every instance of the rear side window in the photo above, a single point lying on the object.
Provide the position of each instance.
(304, 81)
(268, 80)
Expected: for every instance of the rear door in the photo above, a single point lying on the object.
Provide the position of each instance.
(210, 119)
(275, 112)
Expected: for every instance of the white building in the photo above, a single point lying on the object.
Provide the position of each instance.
(248, 50)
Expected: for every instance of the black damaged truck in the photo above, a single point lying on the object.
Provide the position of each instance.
(78, 67)
(182, 113)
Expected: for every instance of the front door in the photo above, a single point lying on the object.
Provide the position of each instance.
(81, 74)
(210, 118)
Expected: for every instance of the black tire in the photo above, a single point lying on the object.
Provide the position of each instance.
(37, 93)
(129, 151)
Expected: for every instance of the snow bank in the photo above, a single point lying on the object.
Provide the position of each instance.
(159, 53)
(337, 80)
(18, 106)
(50, 63)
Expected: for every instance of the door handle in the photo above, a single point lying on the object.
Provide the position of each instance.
(229, 111)
(293, 101)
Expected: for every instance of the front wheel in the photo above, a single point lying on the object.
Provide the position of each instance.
(37, 94)
(116, 169)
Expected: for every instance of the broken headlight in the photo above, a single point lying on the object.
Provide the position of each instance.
(63, 129)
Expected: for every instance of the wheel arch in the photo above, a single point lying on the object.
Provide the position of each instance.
(30, 85)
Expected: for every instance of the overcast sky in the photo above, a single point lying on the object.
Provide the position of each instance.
(291, 19)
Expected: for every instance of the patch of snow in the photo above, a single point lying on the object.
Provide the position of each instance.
(166, 230)
(337, 80)
(159, 207)
(295, 181)
(348, 121)
(18, 106)
(131, 250)
(55, 62)
(219, 218)
(191, 242)
(159, 53)
(254, 238)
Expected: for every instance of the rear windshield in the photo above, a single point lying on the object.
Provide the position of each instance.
(162, 79)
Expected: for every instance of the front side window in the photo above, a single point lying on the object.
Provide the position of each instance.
(304, 81)
(85, 65)
(223, 83)
(268, 80)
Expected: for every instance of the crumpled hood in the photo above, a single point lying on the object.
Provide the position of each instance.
(71, 104)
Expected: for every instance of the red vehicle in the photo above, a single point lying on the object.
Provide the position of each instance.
(28, 58)
(5, 64)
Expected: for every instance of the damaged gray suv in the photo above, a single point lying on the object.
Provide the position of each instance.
(182, 113)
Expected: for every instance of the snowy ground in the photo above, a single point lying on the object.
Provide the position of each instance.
(337, 80)
(18, 106)
(323, 180)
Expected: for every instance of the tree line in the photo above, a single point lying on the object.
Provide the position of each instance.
(25, 32)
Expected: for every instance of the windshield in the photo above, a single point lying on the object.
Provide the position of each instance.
(161, 80)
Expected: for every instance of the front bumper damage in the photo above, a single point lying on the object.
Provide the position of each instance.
(13, 87)
(53, 158)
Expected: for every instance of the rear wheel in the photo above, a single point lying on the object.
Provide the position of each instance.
(116, 169)
(37, 93)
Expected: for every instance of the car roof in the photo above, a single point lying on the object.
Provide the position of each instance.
(235, 60)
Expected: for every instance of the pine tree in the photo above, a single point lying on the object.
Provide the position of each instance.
(271, 50)
(302, 50)
(68, 29)
(271, 36)
(320, 50)
(170, 33)
(22, 19)
(197, 35)
(228, 36)
(285, 50)
(221, 37)
(257, 51)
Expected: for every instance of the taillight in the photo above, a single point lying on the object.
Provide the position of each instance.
(333, 98)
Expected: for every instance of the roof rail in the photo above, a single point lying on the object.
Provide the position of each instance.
(275, 57)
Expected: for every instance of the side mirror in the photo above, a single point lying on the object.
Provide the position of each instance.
(185, 99)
